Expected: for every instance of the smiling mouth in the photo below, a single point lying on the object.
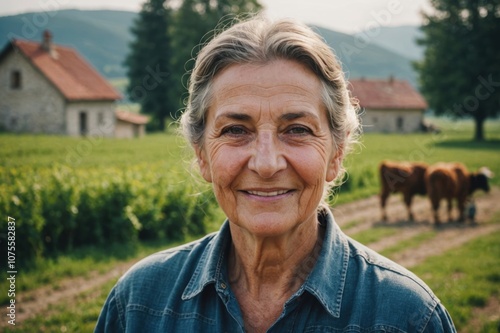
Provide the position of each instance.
(269, 193)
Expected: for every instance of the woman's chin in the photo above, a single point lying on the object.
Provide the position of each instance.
(266, 225)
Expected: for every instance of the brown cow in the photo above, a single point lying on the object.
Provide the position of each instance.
(403, 177)
(453, 181)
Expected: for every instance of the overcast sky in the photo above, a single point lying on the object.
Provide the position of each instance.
(342, 15)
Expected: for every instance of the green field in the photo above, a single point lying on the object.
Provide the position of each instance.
(42, 151)
(28, 163)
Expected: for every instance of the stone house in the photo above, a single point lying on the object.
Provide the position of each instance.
(129, 124)
(389, 105)
(51, 89)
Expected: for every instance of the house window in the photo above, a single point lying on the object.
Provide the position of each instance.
(83, 123)
(13, 122)
(399, 123)
(15, 79)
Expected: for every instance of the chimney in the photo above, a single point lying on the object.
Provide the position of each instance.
(47, 41)
(391, 79)
(47, 44)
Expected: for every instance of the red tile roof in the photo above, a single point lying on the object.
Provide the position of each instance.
(386, 94)
(131, 117)
(74, 77)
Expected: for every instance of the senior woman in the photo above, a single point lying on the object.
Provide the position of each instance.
(270, 119)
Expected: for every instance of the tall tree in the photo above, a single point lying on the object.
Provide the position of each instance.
(149, 63)
(195, 21)
(460, 72)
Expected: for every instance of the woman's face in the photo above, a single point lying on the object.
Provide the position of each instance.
(267, 147)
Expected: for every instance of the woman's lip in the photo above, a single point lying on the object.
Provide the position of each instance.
(267, 193)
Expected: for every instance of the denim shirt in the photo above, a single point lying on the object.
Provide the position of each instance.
(350, 289)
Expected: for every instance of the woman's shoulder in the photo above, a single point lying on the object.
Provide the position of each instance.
(155, 285)
(166, 266)
(401, 297)
(391, 275)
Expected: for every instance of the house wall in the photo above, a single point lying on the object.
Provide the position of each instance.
(142, 130)
(100, 118)
(392, 121)
(37, 107)
(128, 130)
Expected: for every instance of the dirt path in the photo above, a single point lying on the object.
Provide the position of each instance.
(38, 300)
(353, 217)
(489, 313)
(451, 235)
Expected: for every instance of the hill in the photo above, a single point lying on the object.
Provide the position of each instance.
(102, 37)
(401, 40)
(362, 58)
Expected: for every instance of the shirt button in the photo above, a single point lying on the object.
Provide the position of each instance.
(223, 285)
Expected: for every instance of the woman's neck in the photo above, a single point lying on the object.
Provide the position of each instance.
(272, 267)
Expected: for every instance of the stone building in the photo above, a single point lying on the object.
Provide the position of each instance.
(389, 105)
(48, 88)
(129, 124)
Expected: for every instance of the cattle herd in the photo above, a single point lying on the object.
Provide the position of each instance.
(450, 181)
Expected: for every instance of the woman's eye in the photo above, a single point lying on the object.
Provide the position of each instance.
(234, 130)
(299, 130)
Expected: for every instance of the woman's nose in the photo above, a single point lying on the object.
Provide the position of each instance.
(267, 155)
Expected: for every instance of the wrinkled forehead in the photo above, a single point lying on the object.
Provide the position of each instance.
(268, 77)
(277, 82)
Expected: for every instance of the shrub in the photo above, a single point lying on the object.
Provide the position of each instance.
(21, 199)
(59, 208)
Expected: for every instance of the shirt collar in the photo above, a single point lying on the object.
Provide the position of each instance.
(210, 268)
(326, 281)
(328, 277)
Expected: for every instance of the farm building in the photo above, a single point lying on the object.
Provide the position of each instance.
(51, 89)
(389, 105)
(129, 125)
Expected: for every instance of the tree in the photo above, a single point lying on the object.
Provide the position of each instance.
(149, 63)
(460, 72)
(195, 21)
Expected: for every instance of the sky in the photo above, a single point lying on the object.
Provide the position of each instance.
(348, 16)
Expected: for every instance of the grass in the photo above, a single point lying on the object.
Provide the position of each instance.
(489, 327)
(76, 315)
(40, 151)
(466, 278)
(351, 224)
(413, 242)
(374, 234)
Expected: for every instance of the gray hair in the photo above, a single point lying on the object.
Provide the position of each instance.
(259, 40)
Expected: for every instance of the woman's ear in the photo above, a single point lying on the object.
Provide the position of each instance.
(203, 164)
(334, 164)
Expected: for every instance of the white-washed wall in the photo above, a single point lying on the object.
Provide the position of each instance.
(388, 121)
(128, 130)
(100, 117)
(37, 107)
(123, 130)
